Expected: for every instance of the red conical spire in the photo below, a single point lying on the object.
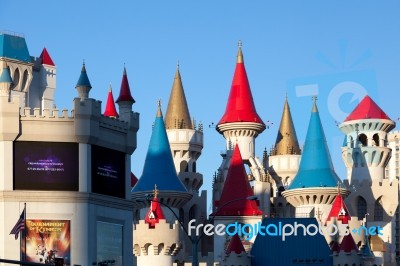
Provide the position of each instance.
(110, 111)
(155, 212)
(237, 186)
(235, 246)
(240, 106)
(367, 109)
(339, 211)
(348, 244)
(46, 59)
(133, 180)
(125, 92)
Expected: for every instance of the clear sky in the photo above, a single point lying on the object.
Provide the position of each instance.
(339, 50)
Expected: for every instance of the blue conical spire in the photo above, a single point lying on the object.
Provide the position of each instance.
(5, 76)
(83, 78)
(159, 167)
(316, 168)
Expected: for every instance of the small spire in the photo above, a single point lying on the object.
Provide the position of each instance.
(155, 191)
(177, 66)
(177, 114)
(125, 91)
(159, 112)
(314, 108)
(110, 111)
(286, 141)
(240, 54)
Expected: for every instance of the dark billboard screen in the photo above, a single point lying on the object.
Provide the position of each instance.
(108, 172)
(46, 166)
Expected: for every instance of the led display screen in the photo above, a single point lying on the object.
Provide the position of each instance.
(46, 166)
(108, 172)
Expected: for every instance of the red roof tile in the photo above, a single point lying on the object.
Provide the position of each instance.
(237, 186)
(348, 244)
(240, 106)
(339, 211)
(235, 245)
(46, 59)
(154, 214)
(125, 91)
(367, 109)
(110, 111)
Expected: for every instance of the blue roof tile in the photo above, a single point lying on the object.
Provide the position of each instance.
(316, 168)
(159, 167)
(5, 76)
(14, 47)
(83, 78)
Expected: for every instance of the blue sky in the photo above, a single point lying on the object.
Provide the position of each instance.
(342, 49)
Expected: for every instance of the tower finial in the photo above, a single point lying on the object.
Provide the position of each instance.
(314, 109)
(159, 113)
(177, 65)
(155, 191)
(240, 54)
(110, 87)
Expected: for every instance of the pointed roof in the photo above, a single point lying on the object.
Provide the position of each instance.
(125, 91)
(83, 78)
(348, 244)
(46, 59)
(159, 166)
(237, 186)
(339, 211)
(286, 141)
(367, 109)
(177, 115)
(335, 247)
(5, 76)
(133, 180)
(155, 212)
(110, 111)
(316, 168)
(240, 106)
(366, 249)
(235, 245)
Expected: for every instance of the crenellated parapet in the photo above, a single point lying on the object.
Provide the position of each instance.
(159, 245)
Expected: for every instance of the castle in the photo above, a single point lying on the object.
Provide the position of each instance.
(72, 169)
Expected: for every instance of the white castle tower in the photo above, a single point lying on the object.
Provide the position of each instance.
(240, 125)
(374, 197)
(315, 185)
(283, 163)
(186, 142)
(159, 245)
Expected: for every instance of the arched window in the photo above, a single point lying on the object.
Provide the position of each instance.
(363, 139)
(378, 211)
(184, 166)
(376, 139)
(15, 79)
(194, 167)
(192, 213)
(361, 208)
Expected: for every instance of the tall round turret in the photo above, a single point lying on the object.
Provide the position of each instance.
(240, 123)
(316, 184)
(366, 152)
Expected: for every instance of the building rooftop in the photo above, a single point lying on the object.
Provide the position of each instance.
(14, 47)
(367, 109)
